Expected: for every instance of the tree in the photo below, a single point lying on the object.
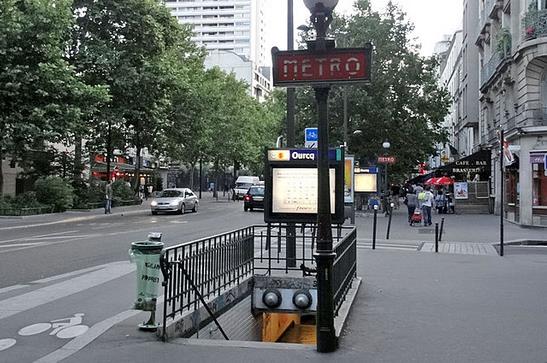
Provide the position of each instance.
(40, 94)
(403, 104)
(134, 47)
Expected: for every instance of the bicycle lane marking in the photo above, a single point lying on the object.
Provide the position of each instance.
(93, 333)
(48, 294)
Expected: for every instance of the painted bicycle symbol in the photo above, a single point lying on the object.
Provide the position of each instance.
(62, 328)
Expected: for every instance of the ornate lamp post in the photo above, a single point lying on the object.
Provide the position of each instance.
(321, 17)
(386, 145)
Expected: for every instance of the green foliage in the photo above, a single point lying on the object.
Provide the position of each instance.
(54, 191)
(122, 191)
(503, 42)
(40, 94)
(25, 200)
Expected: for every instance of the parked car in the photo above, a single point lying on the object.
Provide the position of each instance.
(254, 198)
(243, 183)
(175, 200)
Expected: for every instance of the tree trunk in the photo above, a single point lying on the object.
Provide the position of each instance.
(215, 191)
(1, 173)
(108, 149)
(192, 172)
(78, 165)
(138, 168)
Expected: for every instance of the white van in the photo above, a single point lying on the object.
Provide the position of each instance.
(243, 183)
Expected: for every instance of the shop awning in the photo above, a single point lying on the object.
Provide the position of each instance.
(464, 169)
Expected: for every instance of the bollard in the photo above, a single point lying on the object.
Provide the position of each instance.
(374, 227)
(436, 237)
(441, 231)
(389, 221)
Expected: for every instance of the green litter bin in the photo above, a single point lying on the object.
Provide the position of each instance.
(147, 257)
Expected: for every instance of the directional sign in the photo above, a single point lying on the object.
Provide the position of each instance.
(321, 68)
(386, 159)
(311, 136)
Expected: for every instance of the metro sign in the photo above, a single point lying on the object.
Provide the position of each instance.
(315, 68)
(386, 159)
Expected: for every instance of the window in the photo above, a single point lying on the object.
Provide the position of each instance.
(539, 185)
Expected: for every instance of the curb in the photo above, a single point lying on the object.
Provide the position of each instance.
(76, 219)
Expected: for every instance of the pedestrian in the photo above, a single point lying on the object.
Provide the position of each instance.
(108, 198)
(427, 201)
(411, 201)
(440, 202)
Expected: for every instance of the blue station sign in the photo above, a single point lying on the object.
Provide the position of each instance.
(301, 155)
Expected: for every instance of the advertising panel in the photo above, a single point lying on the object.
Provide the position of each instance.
(366, 183)
(349, 179)
(461, 191)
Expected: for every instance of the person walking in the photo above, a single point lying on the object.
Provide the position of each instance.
(411, 201)
(108, 198)
(427, 204)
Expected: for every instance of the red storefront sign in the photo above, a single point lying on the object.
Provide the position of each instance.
(309, 68)
(386, 159)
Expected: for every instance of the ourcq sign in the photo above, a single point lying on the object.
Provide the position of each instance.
(314, 68)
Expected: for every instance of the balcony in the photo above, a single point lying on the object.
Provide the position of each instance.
(500, 57)
(535, 24)
(492, 7)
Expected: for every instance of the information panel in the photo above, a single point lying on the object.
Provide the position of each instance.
(291, 193)
(294, 190)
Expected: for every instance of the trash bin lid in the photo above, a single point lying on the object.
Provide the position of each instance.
(147, 246)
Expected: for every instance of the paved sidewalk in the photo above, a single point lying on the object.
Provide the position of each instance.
(476, 228)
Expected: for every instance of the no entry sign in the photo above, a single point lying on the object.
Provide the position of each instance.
(313, 68)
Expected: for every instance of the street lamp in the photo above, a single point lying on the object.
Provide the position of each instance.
(386, 145)
(321, 17)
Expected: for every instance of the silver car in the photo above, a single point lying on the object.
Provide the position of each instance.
(177, 200)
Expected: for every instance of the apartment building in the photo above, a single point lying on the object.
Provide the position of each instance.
(232, 31)
(512, 44)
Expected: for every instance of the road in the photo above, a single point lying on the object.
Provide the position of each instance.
(28, 254)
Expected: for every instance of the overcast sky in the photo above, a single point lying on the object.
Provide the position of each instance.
(432, 18)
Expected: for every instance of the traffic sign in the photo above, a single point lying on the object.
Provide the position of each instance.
(321, 68)
(311, 136)
(386, 160)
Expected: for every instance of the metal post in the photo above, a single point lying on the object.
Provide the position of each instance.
(291, 228)
(326, 337)
(374, 227)
(441, 231)
(389, 221)
(436, 237)
(200, 176)
(502, 182)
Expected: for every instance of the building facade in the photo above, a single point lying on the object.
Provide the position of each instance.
(226, 28)
(450, 53)
(512, 44)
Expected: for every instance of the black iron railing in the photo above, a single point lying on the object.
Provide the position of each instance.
(212, 264)
(345, 267)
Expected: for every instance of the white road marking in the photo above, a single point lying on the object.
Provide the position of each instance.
(22, 245)
(11, 288)
(7, 343)
(68, 274)
(93, 333)
(48, 294)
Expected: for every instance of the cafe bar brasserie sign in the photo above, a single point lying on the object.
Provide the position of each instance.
(471, 167)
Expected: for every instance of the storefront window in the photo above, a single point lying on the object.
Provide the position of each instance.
(539, 185)
(512, 187)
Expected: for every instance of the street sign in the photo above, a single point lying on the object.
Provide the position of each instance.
(321, 68)
(545, 164)
(386, 160)
(311, 136)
